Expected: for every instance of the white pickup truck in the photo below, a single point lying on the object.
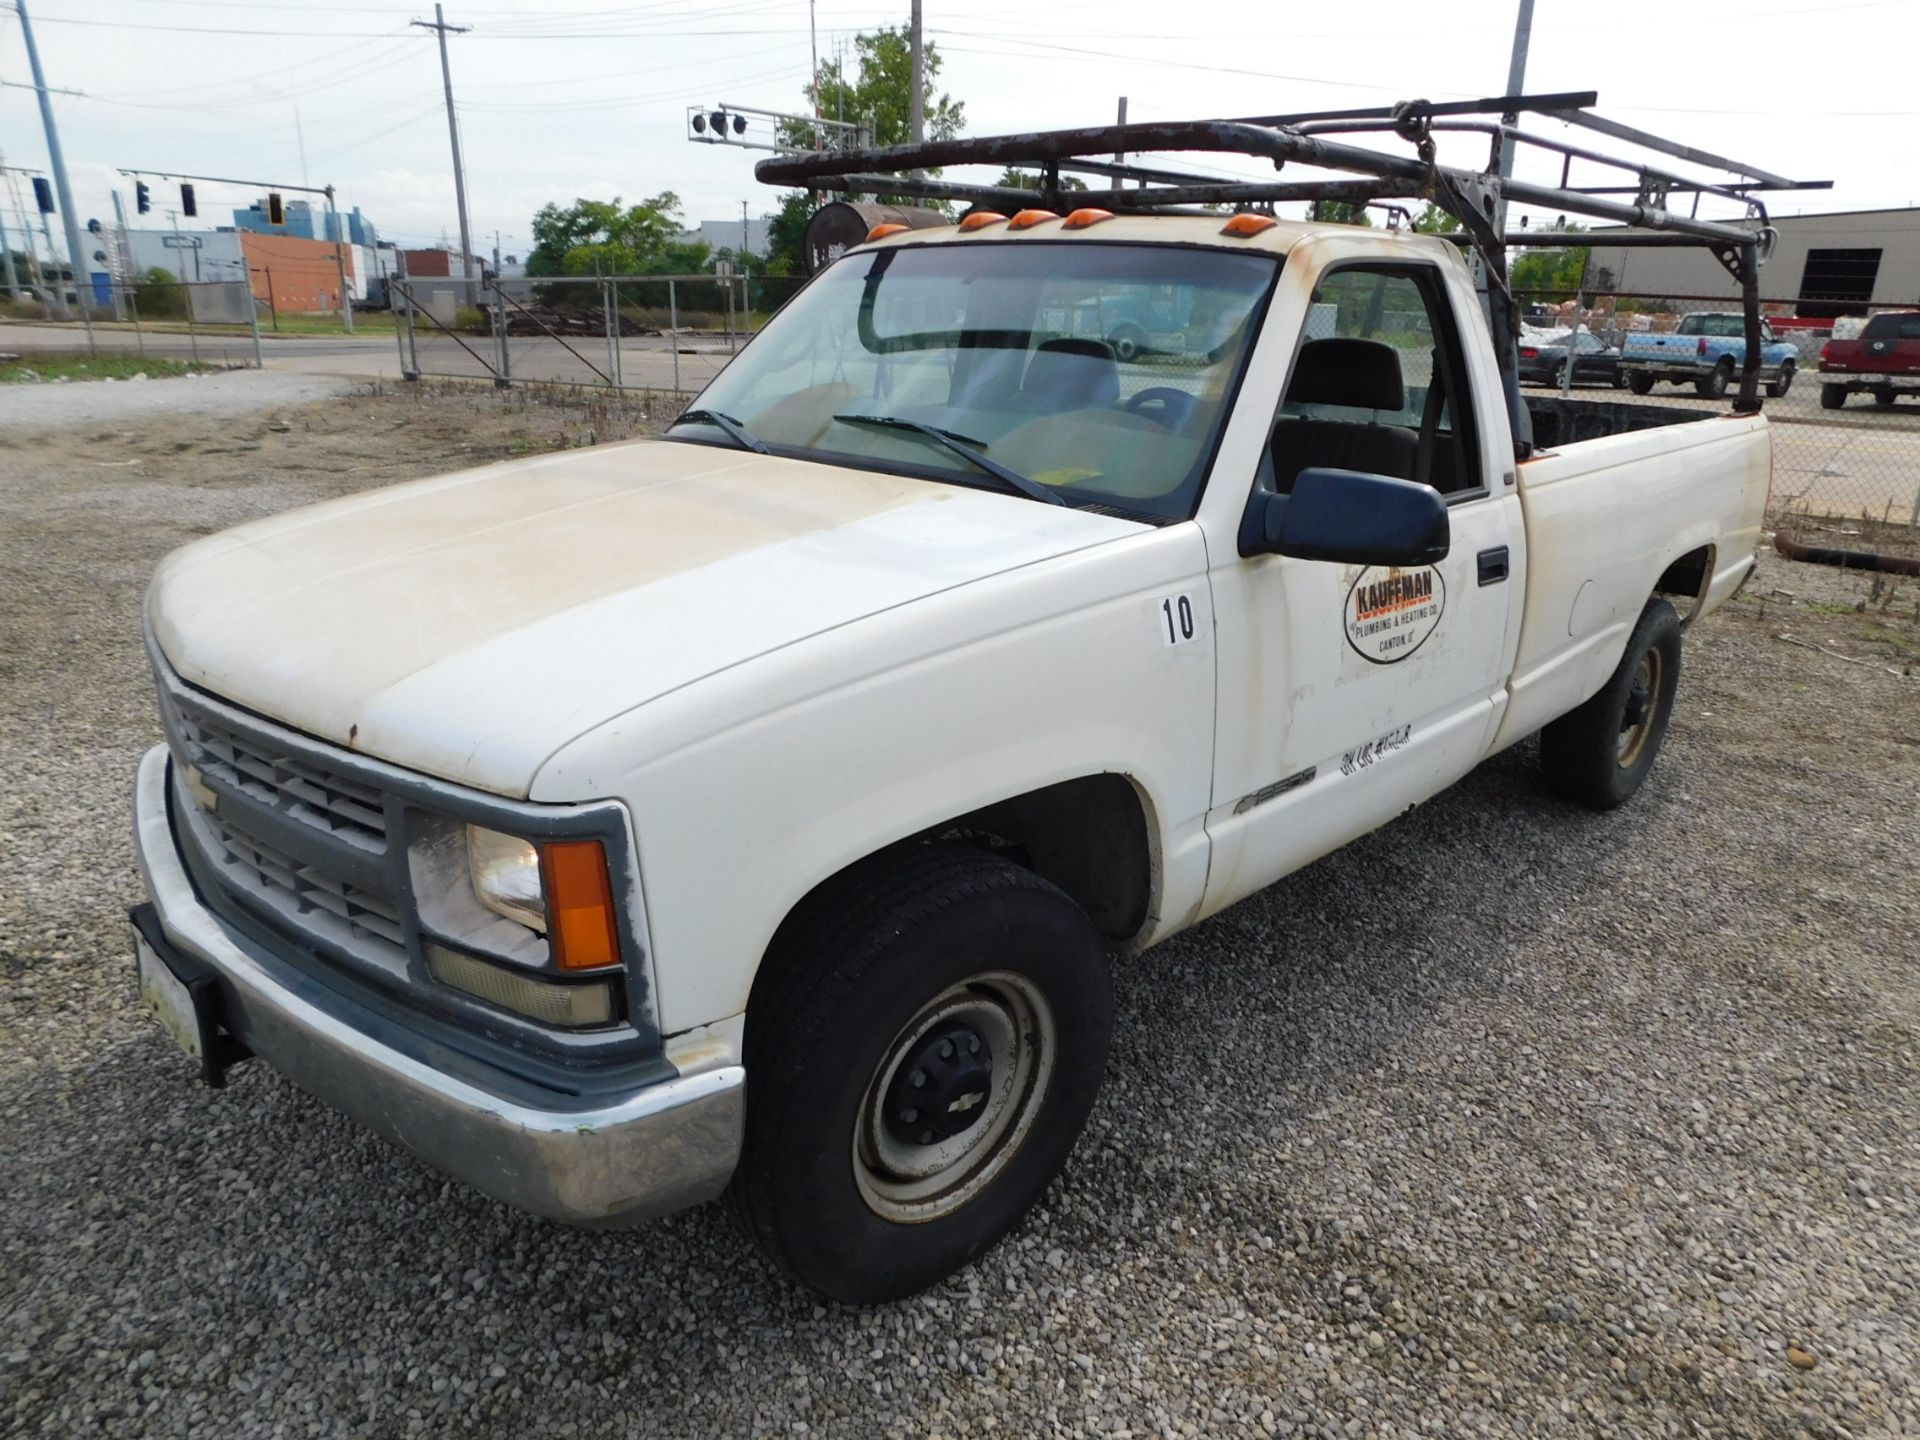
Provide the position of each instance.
(758, 810)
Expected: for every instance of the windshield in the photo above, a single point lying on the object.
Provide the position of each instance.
(1101, 372)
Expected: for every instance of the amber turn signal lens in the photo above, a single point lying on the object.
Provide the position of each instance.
(980, 219)
(1086, 215)
(1244, 225)
(880, 232)
(581, 925)
(1030, 217)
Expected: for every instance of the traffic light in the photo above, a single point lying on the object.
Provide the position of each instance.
(276, 212)
(142, 197)
(43, 194)
(187, 206)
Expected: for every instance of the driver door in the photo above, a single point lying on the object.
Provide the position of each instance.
(1351, 692)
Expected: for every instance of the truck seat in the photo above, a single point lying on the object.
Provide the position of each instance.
(1069, 374)
(1352, 375)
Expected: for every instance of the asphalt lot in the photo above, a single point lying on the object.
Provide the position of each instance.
(1506, 1120)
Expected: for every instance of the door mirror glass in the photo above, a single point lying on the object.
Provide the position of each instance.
(1350, 518)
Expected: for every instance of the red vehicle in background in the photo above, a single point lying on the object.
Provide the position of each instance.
(1884, 361)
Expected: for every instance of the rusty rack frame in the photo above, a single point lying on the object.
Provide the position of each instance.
(1321, 140)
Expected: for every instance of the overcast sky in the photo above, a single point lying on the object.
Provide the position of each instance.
(584, 98)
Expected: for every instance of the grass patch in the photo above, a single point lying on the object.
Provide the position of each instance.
(43, 368)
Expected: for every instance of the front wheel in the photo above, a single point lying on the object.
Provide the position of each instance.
(1884, 398)
(1777, 388)
(1640, 384)
(1599, 754)
(1126, 342)
(924, 1045)
(1713, 384)
(1832, 397)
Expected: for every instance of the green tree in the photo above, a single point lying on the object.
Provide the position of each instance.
(1339, 212)
(159, 294)
(878, 93)
(1434, 221)
(1549, 274)
(602, 237)
(787, 233)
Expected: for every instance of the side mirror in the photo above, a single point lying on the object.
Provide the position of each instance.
(1350, 518)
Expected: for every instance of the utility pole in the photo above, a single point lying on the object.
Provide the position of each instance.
(917, 100)
(6, 255)
(1120, 156)
(440, 26)
(1516, 83)
(745, 237)
(76, 251)
(813, 50)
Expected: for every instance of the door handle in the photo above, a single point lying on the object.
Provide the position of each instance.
(1493, 565)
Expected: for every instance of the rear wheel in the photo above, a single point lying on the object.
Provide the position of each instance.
(1884, 398)
(1599, 754)
(925, 1042)
(1640, 384)
(1778, 387)
(1832, 397)
(1713, 384)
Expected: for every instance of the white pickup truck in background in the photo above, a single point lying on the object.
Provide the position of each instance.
(756, 810)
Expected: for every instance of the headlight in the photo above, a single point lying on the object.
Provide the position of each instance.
(559, 888)
(506, 876)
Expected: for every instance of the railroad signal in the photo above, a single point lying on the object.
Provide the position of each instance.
(187, 204)
(142, 197)
(276, 212)
(43, 194)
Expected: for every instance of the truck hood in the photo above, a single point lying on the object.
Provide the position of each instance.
(469, 626)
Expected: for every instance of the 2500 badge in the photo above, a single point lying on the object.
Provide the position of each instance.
(1391, 612)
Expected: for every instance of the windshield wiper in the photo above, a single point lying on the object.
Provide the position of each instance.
(1012, 479)
(735, 431)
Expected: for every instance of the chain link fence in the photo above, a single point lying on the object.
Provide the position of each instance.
(670, 333)
(1846, 440)
(212, 322)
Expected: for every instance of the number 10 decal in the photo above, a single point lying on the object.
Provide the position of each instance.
(1176, 620)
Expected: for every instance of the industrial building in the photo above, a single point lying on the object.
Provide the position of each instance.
(1824, 266)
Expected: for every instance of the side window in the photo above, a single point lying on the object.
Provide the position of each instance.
(1378, 384)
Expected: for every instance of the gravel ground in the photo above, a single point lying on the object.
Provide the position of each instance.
(1506, 1120)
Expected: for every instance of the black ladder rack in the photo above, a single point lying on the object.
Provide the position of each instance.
(1637, 194)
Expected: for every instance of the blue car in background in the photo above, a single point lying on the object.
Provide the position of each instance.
(1708, 351)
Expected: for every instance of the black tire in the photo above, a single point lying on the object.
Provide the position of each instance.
(1127, 341)
(1884, 398)
(1713, 384)
(1585, 754)
(1640, 384)
(1619, 380)
(1832, 397)
(1561, 376)
(1778, 387)
(840, 1012)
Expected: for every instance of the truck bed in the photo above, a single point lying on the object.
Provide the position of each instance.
(1562, 420)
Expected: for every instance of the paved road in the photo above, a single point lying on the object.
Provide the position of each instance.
(1860, 460)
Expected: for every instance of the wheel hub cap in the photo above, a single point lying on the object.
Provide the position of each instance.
(941, 1087)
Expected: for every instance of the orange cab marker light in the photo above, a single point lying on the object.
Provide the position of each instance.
(1245, 225)
(1030, 217)
(880, 232)
(581, 926)
(1085, 216)
(980, 219)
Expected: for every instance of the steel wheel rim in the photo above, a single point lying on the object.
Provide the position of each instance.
(909, 1182)
(1642, 708)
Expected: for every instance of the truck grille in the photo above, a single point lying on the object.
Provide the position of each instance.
(298, 843)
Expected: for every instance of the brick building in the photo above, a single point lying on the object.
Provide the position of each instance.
(296, 276)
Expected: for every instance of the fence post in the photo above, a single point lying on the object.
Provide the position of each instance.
(505, 378)
(611, 325)
(253, 324)
(193, 340)
(402, 322)
(673, 334)
(139, 336)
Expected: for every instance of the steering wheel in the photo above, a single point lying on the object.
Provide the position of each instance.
(1162, 404)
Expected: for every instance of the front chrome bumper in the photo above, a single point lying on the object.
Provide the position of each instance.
(657, 1150)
